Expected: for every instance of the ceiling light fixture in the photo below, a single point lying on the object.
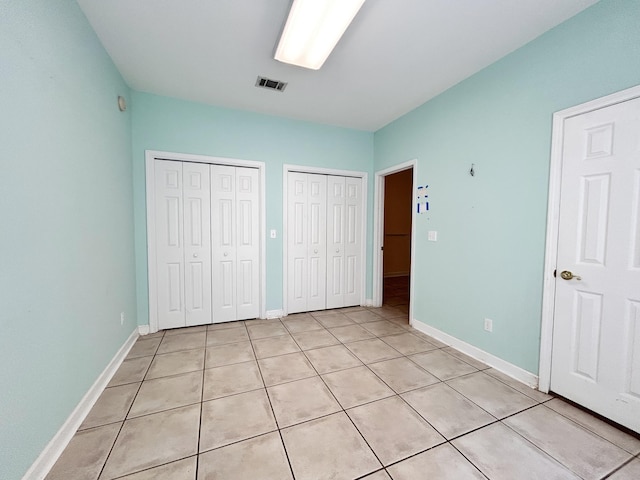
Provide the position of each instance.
(313, 29)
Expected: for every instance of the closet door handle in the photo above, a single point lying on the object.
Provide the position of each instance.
(195, 255)
(315, 251)
(226, 254)
(337, 250)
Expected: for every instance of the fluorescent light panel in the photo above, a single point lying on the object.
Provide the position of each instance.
(313, 29)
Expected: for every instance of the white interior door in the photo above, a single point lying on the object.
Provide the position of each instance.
(344, 232)
(197, 243)
(169, 244)
(223, 242)
(247, 243)
(306, 241)
(596, 332)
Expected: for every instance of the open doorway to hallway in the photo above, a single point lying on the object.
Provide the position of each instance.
(396, 269)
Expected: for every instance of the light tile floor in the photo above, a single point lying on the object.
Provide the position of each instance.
(348, 394)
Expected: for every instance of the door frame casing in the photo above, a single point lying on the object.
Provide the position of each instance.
(553, 223)
(378, 231)
(150, 157)
(286, 168)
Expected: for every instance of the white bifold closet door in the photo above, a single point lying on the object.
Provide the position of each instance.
(235, 242)
(183, 244)
(207, 244)
(324, 218)
(306, 242)
(344, 231)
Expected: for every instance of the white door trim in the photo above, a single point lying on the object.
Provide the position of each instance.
(286, 168)
(378, 231)
(150, 157)
(553, 218)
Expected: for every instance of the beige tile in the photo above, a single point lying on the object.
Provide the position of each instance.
(112, 406)
(228, 354)
(166, 393)
(448, 411)
(227, 335)
(85, 454)
(148, 336)
(428, 338)
(153, 440)
(373, 350)
(521, 387)
(296, 316)
(273, 329)
(301, 324)
(315, 339)
(466, 358)
(363, 316)
(379, 475)
(262, 457)
(323, 313)
(443, 462)
(609, 432)
(502, 454)
(356, 386)
(393, 429)
(355, 308)
(303, 400)
(176, 363)
(262, 321)
(285, 368)
(144, 348)
(351, 333)
(389, 312)
(225, 325)
(328, 448)
(231, 379)
(270, 347)
(402, 375)
(581, 451)
(331, 359)
(492, 395)
(187, 341)
(442, 365)
(631, 471)
(333, 320)
(383, 328)
(238, 417)
(184, 469)
(183, 330)
(131, 371)
(408, 344)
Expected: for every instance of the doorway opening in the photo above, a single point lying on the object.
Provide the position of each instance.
(393, 240)
(396, 259)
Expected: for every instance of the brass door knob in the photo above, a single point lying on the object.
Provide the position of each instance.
(567, 275)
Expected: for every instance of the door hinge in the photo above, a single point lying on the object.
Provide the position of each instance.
(554, 273)
(381, 248)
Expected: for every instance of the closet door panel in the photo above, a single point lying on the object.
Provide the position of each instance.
(353, 242)
(197, 243)
(316, 280)
(335, 241)
(247, 243)
(297, 262)
(169, 244)
(223, 250)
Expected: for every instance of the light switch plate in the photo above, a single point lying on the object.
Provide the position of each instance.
(432, 236)
(272, 233)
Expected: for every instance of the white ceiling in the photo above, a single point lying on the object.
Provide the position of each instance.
(396, 55)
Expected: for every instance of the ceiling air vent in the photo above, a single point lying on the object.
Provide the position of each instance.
(271, 84)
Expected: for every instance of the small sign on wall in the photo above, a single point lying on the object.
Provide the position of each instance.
(422, 200)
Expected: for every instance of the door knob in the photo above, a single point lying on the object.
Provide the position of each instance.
(195, 255)
(226, 254)
(315, 251)
(567, 275)
(337, 250)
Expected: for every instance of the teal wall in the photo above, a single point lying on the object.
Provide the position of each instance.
(488, 260)
(167, 124)
(66, 247)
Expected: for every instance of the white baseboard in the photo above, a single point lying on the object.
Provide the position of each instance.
(274, 313)
(505, 367)
(143, 329)
(368, 303)
(61, 439)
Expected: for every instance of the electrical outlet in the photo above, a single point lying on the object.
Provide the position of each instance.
(488, 325)
(121, 318)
